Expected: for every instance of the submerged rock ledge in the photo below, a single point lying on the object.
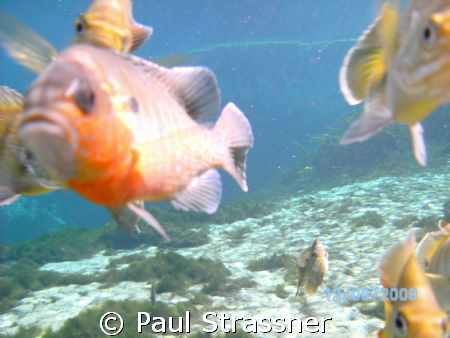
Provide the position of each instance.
(355, 223)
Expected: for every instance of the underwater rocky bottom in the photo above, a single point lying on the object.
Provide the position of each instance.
(243, 270)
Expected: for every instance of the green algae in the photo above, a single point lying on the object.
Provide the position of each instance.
(271, 263)
(86, 324)
(170, 271)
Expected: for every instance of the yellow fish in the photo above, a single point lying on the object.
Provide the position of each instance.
(20, 174)
(312, 268)
(421, 317)
(400, 68)
(110, 24)
(107, 23)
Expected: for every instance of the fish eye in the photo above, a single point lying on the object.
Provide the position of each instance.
(85, 100)
(80, 25)
(400, 324)
(429, 34)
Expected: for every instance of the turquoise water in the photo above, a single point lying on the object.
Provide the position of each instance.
(279, 62)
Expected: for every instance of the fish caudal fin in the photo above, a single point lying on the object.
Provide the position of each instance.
(237, 132)
(7, 196)
(203, 193)
(375, 117)
(148, 218)
(10, 100)
(419, 149)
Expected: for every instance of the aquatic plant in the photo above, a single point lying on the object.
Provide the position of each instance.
(280, 292)
(86, 323)
(370, 218)
(270, 263)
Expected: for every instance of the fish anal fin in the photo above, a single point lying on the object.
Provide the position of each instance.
(238, 135)
(375, 117)
(203, 193)
(418, 141)
(139, 34)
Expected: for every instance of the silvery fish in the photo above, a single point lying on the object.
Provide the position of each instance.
(116, 129)
(400, 68)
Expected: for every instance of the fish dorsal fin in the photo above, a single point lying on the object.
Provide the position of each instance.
(139, 34)
(24, 45)
(196, 89)
(366, 64)
(394, 260)
(10, 100)
(203, 193)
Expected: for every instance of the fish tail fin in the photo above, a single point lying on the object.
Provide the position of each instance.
(299, 276)
(237, 132)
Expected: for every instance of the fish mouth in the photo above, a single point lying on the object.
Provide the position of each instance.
(53, 142)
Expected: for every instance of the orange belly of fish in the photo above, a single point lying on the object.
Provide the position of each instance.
(114, 192)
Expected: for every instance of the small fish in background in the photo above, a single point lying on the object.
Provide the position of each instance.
(400, 68)
(312, 268)
(110, 24)
(422, 317)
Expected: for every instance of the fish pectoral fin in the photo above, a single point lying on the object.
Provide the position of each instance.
(366, 64)
(363, 65)
(375, 117)
(7, 196)
(203, 193)
(24, 45)
(140, 34)
(10, 101)
(419, 149)
(148, 218)
(196, 89)
(238, 135)
(126, 219)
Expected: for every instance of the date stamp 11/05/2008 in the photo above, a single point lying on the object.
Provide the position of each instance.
(356, 294)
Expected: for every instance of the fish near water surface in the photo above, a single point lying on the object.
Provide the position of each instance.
(422, 317)
(400, 68)
(116, 128)
(312, 268)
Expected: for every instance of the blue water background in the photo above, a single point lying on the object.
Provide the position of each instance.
(278, 60)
